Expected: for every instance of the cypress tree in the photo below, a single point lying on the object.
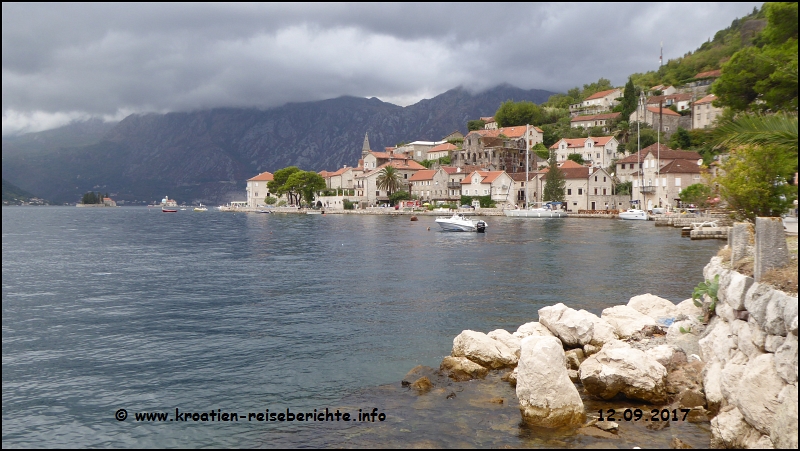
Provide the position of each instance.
(555, 184)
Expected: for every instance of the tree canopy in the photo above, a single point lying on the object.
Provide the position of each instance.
(389, 180)
(513, 113)
(555, 183)
(477, 124)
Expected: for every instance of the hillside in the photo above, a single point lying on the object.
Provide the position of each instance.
(206, 156)
(14, 195)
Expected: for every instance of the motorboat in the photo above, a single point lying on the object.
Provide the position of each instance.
(633, 214)
(168, 210)
(548, 210)
(200, 208)
(460, 223)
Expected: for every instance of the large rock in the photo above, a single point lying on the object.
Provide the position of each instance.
(505, 337)
(576, 328)
(730, 430)
(748, 337)
(731, 376)
(622, 369)
(733, 293)
(653, 306)
(786, 360)
(756, 300)
(712, 385)
(483, 350)
(547, 397)
(757, 396)
(688, 308)
(685, 335)
(532, 328)
(790, 316)
(627, 320)
(784, 429)
(719, 343)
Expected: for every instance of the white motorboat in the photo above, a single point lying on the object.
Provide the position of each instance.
(460, 223)
(633, 214)
(549, 210)
(201, 208)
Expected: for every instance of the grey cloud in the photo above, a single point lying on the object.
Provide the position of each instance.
(101, 59)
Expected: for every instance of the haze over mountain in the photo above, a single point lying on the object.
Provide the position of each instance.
(206, 156)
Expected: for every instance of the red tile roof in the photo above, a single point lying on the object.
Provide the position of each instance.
(387, 156)
(664, 111)
(601, 94)
(709, 74)
(665, 153)
(707, 99)
(263, 177)
(569, 164)
(424, 174)
(675, 97)
(581, 172)
(486, 176)
(443, 147)
(681, 167)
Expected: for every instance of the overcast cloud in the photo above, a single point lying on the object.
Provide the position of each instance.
(74, 61)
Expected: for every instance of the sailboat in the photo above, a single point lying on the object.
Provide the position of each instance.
(546, 210)
(637, 214)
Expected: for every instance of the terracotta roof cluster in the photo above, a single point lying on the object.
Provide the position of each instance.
(595, 117)
(443, 147)
(424, 174)
(601, 94)
(487, 176)
(514, 132)
(263, 177)
(387, 156)
(569, 164)
(709, 74)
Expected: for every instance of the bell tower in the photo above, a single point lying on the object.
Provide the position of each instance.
(365, 148)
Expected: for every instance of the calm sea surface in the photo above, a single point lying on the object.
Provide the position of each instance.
(130, 308)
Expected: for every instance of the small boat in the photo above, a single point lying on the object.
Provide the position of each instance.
(549, 210)
(460, 223)
(633, 214)
(168, 210)
(169, 205)
(200, 208)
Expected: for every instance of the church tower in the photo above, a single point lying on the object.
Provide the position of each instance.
(365, 148)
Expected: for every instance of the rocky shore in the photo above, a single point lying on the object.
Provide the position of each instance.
(733, 367)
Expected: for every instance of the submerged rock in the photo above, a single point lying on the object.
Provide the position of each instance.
(462, 368)
(546, 395)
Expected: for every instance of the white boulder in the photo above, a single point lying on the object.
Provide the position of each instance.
(505, 337)
(547, 397)
(626, 320)
(619, 368)
(576, 328)
(483, 350)
(653, 306)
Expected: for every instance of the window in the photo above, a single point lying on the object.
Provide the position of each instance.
(604, 179)
(677, 182)
(595, 191)
(377, 193)
(405, 176)
(255, 194)
(604, 191)
(595, 178)
(580, 191)
(256, 183)
(598, 156)
(569, 191)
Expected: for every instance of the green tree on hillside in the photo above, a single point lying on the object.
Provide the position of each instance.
(541, 151)
(555, 183)
(513, 113)
(477, 124)
(629, 99)
(680, 139)
(764, 76)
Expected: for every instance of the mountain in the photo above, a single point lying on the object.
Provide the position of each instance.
(14, 195)
(206, 156)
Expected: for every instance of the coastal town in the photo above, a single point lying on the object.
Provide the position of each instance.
(501, 164)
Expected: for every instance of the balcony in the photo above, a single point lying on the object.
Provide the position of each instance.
(454, 185)
(647, 189)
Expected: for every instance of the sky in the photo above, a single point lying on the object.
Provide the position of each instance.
(65, 62)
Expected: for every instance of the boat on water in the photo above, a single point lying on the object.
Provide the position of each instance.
(548, 210)
(169, 205)
(633, 214)
(200, 208)
(460, 223)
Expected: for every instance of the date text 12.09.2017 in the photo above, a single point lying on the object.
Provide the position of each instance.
(640, 415)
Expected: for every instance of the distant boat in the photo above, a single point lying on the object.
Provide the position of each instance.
(168, 210)
(549, 210)
(200, 208)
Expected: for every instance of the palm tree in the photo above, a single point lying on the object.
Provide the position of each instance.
(389, 180)
(778, 129)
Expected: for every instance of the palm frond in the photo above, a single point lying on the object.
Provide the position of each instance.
(778, 129)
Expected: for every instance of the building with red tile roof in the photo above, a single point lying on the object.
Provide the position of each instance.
(598, 151)
(595, 120)
(257, 190)
(704, 113)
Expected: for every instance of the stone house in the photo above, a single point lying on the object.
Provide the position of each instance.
(455, 135)
(257, 189)
(497, 184)
(668, 120)
(585, 188)
(597, 151)
(665, 90)
(440, 151)
(704, 113)
(366, 183)
(344, 178)
(502, 149)
(431, 185)
(489, 123)
(595, 120)
(659, 173)
(597, 102)
(682, 102)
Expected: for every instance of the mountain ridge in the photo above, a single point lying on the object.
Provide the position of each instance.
(207, 155)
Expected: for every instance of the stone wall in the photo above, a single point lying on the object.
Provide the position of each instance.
(750, 353)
